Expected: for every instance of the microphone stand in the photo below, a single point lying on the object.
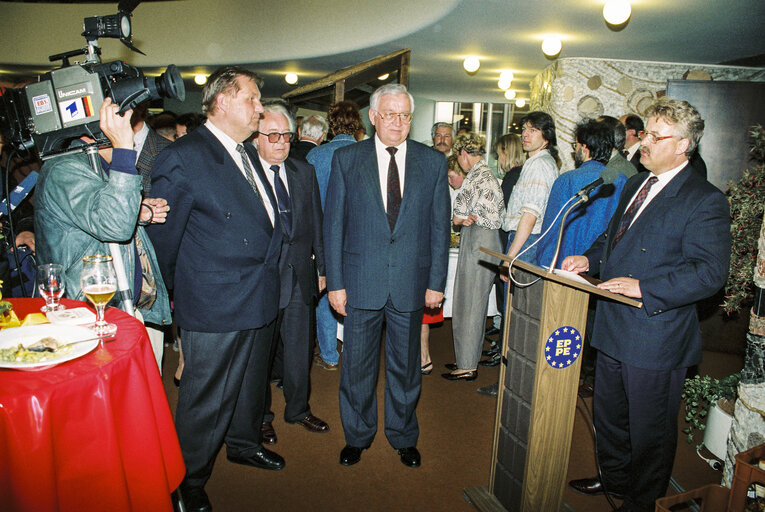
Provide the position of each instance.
(583, 199)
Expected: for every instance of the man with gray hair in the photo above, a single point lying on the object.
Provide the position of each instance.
(441, 133)
(667, 245)
(386, 241)
(302, 257)
(313, 129)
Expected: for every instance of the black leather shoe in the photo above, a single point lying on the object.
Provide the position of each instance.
(267, 433)
(491, 390)
(350, 455)
(592, 487)
(490, 361)
(450, 366)
(312, 424)
(494, 349)
(410, 457)
(472, 375)
(263, 459)
(194, 499)
(585, 390)
(491, 331)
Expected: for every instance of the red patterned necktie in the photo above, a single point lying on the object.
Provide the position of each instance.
(629, 214)
(394, 189)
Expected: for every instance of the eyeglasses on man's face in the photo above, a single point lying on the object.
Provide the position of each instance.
(653, 138)
(274, 137)
(390, 117)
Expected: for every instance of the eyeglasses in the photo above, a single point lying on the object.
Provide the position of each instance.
(274, 137)
(652, 138)
(390, 117)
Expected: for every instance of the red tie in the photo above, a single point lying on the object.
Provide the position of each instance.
(394, 189)
(629, 214)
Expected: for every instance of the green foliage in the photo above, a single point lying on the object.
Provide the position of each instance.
(747, 202)
(700, 393)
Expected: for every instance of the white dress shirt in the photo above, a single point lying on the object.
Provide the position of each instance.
(664, 178)
(383, 160)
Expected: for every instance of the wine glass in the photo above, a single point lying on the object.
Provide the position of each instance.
(50, 283)
(99, 284)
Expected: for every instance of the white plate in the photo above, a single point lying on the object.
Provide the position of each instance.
(26, 335)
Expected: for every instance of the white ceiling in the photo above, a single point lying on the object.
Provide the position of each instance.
(315, 38)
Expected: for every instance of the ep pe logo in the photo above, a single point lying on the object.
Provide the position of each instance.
(562, 347)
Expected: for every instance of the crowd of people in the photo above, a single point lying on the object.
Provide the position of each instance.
(279, 228)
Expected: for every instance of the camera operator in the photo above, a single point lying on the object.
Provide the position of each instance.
(78, 212)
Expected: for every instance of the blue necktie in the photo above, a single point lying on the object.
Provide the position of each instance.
(285, 211)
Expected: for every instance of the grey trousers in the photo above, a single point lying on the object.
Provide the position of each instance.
(472, 284)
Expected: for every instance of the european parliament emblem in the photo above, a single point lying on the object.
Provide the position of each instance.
(563, 346)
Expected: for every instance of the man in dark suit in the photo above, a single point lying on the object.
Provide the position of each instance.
(386, 240)
(219, 252)
(668, 244)
(313, 129)
(297, 191)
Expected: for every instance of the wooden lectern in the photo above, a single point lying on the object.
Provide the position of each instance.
(536, 402)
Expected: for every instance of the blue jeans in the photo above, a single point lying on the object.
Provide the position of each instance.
(326, 331)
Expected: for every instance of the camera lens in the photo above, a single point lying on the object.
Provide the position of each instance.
(170, 84)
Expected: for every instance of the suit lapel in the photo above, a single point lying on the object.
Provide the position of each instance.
(370, 174)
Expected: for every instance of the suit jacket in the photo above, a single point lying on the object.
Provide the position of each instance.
(635, 160)
(218, 250)
(363, 256)
(151, 147)
(679, 250)
(301, 148)
(297, 264)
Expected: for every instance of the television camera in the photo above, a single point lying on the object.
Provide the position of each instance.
(64, 103)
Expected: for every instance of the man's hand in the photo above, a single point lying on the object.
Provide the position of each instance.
(156, 211)
(576, 264)
(338, 299)
(26, 238)
(116, 127)
(623, 285)
(504, 271)
(322, 283)
(433, 299)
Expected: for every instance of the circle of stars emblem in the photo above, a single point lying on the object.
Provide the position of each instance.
(562, 347)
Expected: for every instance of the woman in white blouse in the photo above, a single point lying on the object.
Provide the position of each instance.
(479, 209)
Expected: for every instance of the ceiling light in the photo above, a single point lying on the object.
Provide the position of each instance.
(471, 64)
(200, 79)
(291, 78)
(551, 46)
(617, 12)
(520, 103)
(383, 77)
(505, 79)
(510, 94)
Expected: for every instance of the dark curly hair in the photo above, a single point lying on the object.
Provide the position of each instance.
(543, 122)
(344, 117)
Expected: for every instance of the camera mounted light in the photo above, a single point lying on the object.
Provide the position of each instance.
(116, 26)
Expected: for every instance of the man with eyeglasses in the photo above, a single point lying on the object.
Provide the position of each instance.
(302, 258)
(386, 241)
(219, 252)
(668, 245)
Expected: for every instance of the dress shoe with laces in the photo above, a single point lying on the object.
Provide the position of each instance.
(312, 424)
(194, 499)
(410, 457)
(471, 375)
(263, 459)
(267, 433)
(592, 487)
(350, 455)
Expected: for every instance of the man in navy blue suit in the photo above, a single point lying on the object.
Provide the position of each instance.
(219, 252)
(667, 244)
(386, 244)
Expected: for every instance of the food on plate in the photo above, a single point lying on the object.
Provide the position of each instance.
(22, 354)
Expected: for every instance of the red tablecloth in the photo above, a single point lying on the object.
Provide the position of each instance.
(95, 433)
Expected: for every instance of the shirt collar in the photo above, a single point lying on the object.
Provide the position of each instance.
(228, 143)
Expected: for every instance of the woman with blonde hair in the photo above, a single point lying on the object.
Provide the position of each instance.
(479, 209)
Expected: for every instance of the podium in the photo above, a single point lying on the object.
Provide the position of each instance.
(536, 402)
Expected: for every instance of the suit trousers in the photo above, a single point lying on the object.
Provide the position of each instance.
(472, 284)
(293, 331)
(635, 417)
(361, 366)
(221, 397)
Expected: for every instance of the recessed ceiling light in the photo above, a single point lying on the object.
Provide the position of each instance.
(383, 77)
(200, 79)
(520, 103)
(505, 80)
(551, 46)
(617, 12)
(471, 64)
(510, 94)
(291, 78)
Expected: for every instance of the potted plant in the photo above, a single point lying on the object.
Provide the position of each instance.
(701, 393)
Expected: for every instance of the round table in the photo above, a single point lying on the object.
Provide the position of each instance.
(94, 433)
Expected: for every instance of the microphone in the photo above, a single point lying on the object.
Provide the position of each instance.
(607, 177)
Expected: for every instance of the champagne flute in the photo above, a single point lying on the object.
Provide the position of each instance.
(99, 284)
(50, 284)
